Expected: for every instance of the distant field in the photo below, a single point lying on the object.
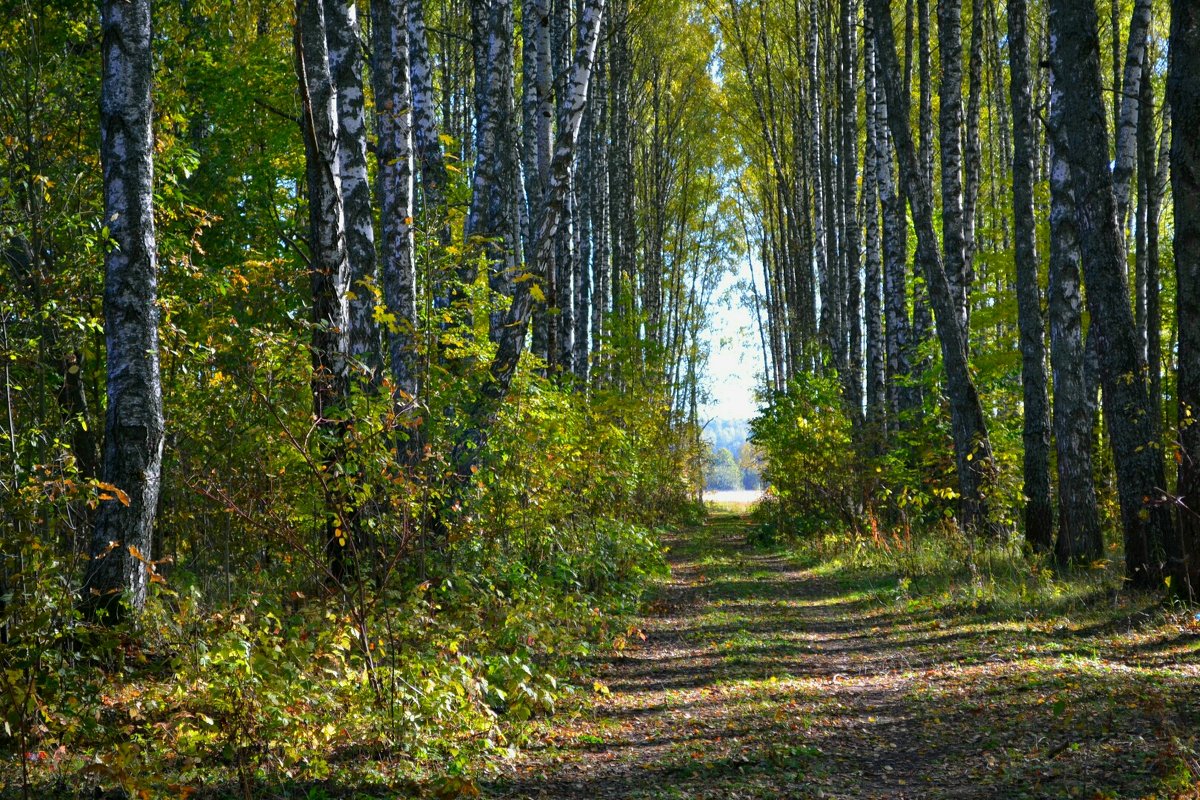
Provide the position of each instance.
(739, 496)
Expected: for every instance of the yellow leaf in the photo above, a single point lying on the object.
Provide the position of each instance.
(537, 293)
(108, 487)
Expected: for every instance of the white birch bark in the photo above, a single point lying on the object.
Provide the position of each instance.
(396, 161)
(346, 67)
(133, 435)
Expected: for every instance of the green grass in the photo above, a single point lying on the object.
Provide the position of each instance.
(934, 667)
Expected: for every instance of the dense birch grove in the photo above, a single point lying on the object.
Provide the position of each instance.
(354, 353)
(349, 314)
(1026, 219)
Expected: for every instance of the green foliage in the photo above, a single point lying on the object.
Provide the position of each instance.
(723, 473)
(811, 464)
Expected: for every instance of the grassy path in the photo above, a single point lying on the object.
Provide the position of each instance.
(762, 678)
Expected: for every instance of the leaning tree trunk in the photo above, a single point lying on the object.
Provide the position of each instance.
(972, 448)
(1075, 61)
(1039, 514)
(1183, 94)
(133, 434)
(1079, 536)
(515, 325)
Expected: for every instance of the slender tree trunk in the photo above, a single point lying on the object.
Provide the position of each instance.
(972, 448)
(873, 260)
(1039, 514)
(426, 137)
(1075, 59)
(973, 152)
(565, 265)
(346, 67)
(489, 226)
(950, 130)
(1153, 265)
(395, 153)
(133, 433)
(848, 166)
(902, 397)
(601, 231)
(1183, 94)
(329, 265)
(1129, 106)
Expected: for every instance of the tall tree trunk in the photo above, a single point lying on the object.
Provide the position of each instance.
(426, 138)
(1183, 95)
(489, 225)
(1075, 59)
(346, 68)
(950, 134)
(972, 448)
(1153, 264)
(1079, 536)
(973, 151)
(133, 433)
(1039, 514)
(873, 259)
(902, 396)
(395, 153)
(848, 168)
(329, 265)
(600, 209)
(564, 252)
(1129, 104)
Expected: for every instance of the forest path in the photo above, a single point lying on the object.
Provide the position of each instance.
(762, 678)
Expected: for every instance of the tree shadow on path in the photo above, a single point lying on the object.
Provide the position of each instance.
(760, 678)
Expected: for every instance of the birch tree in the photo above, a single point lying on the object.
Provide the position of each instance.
(1075, 60)
(122, 539)
(1039, 515)
(329, 265)
(1183, 93)
(343, 37)
(394, 116)
(972, 448)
